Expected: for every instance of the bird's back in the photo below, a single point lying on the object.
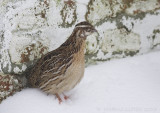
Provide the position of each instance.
(49, 66)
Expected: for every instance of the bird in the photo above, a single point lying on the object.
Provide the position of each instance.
(62, 69)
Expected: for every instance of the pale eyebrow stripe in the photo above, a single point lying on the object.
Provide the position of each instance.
(83, 26)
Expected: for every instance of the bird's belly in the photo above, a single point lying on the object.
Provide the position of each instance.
(75, 74)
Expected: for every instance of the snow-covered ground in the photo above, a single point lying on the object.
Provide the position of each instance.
(129, 85)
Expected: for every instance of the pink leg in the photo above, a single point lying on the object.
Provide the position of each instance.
(65, 97)
(59, 98)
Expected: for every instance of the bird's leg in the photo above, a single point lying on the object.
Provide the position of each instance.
(65, 97)
(59, 98)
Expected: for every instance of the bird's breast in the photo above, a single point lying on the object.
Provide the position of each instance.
(76, 71)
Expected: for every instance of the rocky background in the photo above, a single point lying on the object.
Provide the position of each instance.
(31, 28)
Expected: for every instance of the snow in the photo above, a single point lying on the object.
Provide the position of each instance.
(119, 86)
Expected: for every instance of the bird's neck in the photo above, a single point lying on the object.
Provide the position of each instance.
(74, 43)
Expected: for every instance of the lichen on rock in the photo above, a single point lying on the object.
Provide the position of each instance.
(68, 13)
(141, 6)
(119, 42)
(8, 86)
(119, 39)
(23, 37)
(100, 10)
(155, 38)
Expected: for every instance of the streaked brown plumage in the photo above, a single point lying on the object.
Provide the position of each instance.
(61, 69)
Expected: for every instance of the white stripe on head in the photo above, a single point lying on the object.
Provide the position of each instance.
(83, 26)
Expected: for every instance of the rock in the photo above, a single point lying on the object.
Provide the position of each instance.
(148, 6)
(68, 13)
(119, 41)
(155, 38)
(9, 84)
(100, 10)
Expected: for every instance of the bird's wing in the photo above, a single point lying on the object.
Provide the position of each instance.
(53, 66)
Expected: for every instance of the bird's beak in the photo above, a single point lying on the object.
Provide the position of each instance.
(94, 30)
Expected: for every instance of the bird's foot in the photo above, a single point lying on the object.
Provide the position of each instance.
(59, 98)
(65, 97)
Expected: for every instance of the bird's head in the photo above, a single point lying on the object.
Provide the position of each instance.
(84, 29)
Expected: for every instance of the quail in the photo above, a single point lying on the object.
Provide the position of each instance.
(62, 69)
